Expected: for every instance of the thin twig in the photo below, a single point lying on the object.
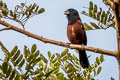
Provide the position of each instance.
(6, 28)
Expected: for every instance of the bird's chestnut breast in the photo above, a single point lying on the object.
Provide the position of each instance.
(75, 33)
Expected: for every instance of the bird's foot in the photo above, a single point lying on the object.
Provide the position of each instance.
(82, 46)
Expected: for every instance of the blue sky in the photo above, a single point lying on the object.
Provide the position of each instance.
(52, 24)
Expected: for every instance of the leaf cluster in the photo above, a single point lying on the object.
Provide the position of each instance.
(21, 13)
(105, 18)
(31, 64)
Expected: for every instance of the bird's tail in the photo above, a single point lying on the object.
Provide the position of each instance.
(83, 59)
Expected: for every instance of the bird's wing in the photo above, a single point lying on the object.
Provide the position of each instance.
(80, 32)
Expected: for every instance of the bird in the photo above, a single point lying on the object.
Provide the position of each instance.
(76, 34)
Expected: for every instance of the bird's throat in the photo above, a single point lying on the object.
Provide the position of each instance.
(72, 20)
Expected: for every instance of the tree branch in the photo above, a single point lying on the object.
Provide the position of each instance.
(115, 5)
(116, 11)
(109, 3)
(6, 28)
(45, 40)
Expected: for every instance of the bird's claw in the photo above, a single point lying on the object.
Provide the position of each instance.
(82, 47)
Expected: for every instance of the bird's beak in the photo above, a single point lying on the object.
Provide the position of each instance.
(66, 12)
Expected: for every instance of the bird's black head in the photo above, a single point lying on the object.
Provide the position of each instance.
(72, 15)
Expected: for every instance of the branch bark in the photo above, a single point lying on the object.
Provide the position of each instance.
(117, 25)
(109, 3)
(116, 10)
(59, 43)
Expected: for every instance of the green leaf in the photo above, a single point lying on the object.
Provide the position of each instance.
(16, 55)
(49, 54)
(52, 65)
(17, 77)
(33, 49)
(12, 75)
(41, 74)
(14, 51)
(71, 67)
(64, 69)
(4, 49)
(45, 67)
(91, 5)
(101, 57)
(33, 6)
(94, 25)
(43, 58)
(99, 70)
(77, 78)
(40, 63)
(48, 69)
(37, 53)
(60, 75)
(90, 13)
(38, 59)
(100, 11)
(19, 59)
(98, 16)
(74, 57)
(41, 10)
(65, 58)
(112, 78)
(30, 57)
(108, 12)
(4, 6)
(22, 63)
(9, 71)
(89, 76)
(4, 67)
(36, 9)
(87, 27)
(102, 16)
(23, 4)
(95, 65)
(11, 13)
(47, 74)
(77, 51)
(110, 16)
(97, 60)
(64, 52)
(57, 65)
(70, 75)
(5, 12)
(94, 72)
(14, 16)
(58, 57)
(85, 73)
(69, 71)
(94, 15)
(84, 12)
(54, 60)
(105, 19)
(53, 56)
(27, 67)
(90, 68)
(32, 61)
(26, 53)
(1, 3)
(95, 8)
